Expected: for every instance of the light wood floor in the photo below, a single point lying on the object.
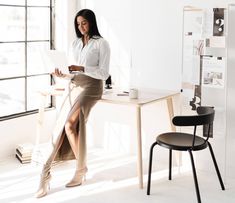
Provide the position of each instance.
(111, 179)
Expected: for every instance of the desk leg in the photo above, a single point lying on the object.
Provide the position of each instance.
(178, 155)
(139, 152)
(40, 118)
(36, 154)
(171, 112)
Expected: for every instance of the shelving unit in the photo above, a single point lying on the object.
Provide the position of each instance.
(208, 73)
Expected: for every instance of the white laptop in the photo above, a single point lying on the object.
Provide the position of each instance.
(55, 59)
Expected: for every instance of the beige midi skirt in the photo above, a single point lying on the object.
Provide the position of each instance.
(85, 91)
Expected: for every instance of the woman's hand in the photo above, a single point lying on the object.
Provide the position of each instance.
(59, 73)
(76, 68)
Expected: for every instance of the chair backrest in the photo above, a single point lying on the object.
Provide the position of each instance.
(205, 116)
(207, 129)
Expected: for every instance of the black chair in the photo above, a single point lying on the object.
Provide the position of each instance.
(187, 142)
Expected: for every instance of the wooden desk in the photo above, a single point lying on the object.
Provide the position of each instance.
(144, 98)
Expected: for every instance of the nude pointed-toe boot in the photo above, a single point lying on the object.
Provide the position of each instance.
(78, 178)
(44, 182)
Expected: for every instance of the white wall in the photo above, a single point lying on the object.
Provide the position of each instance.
(145, 39)
(23, 130)
(64, 23)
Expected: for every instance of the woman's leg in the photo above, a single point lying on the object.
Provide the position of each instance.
(81, 168)
(45, 174)
(55, 149)
(71, 128)
(81, 162)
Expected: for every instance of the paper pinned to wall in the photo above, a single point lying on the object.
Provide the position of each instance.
(213, 72)
(193, 22)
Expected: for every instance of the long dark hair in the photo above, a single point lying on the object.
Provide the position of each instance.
(89, 15)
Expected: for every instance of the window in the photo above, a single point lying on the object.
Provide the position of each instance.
(26, 31)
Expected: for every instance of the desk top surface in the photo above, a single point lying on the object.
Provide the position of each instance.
(118, 97)
(145, 96)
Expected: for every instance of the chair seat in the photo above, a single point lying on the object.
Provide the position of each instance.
(181, 141)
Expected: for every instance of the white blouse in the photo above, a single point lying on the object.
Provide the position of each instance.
(94, 57)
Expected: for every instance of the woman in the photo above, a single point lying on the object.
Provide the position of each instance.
(91, 54)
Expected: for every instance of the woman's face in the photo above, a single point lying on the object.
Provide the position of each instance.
(83, 25)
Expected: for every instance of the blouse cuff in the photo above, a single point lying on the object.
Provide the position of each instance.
(69, 77)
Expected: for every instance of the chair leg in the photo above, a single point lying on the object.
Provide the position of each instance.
(170, 163)
(216, 167)
(150, 167)
(195, 177)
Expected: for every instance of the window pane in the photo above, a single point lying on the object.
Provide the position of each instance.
(12, 59)
(36, 83)
(36, 61)
(18, 43)
(12, 96)
(12, 21)
(38, 3)
(13, 2)
(38, 24)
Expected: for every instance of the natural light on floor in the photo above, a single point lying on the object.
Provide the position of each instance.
(107, 172)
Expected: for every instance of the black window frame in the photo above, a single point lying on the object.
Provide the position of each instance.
(26, 41)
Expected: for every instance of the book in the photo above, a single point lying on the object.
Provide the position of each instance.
(26, 147)
(23, 154)
(23, 161)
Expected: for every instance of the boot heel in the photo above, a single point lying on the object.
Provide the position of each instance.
(84, 177)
